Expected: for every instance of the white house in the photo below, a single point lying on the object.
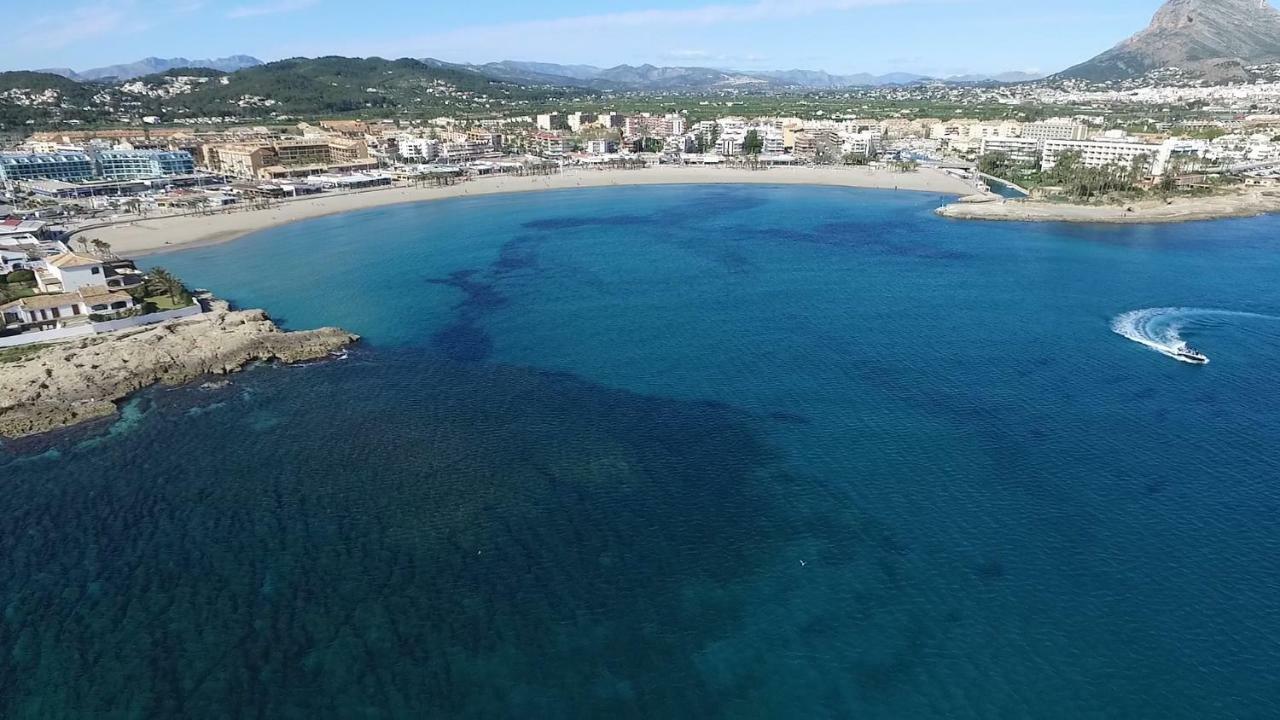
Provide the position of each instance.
(56, 310)
(13, 259)
(68, 272)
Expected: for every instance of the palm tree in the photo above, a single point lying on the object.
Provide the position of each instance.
(160, 280)
(103, 248)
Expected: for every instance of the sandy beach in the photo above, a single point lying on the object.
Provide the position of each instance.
(159, 234)
(1241, 204)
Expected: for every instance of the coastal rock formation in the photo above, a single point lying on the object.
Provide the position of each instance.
(1215, 38)
(1245, 203)
(69, 383)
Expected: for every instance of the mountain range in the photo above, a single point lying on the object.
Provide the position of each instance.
(621, 77)
(154, 66)
(1216, 39)
(656, 78)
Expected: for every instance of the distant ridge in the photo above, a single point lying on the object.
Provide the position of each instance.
(658, 78)
(1213, 38)
(154, 65)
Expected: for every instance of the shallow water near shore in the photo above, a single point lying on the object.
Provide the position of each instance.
(732, 451)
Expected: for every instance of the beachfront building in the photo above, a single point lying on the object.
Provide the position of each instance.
(1179, 154)
(866, 143)
(812, 143)
(646, 125)
(733, 142)
(68, 272)
(490, 140)
(289, 158)
(418, 149)
(58, 310)
(552, 144)
(602, 147)
(1101, 152)
(67, 166)
(141, 164)
(1024, 151)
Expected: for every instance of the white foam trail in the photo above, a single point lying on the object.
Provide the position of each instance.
(1161, 328)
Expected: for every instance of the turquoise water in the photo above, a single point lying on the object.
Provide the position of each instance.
(681, 452)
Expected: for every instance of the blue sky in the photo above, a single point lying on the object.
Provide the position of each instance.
(940, 37)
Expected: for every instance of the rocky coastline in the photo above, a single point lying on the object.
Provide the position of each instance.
(1241, 204)
(74, 382)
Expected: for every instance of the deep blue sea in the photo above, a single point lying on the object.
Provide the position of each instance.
(669, 452)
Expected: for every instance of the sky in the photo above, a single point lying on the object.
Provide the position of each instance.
(931, 37)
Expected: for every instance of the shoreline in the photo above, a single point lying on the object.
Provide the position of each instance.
(1249, 203)
(65, 384)
(149, 236)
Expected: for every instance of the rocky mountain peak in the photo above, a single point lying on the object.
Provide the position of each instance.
(1208, 36)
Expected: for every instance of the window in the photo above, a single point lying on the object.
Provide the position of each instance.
(96, 271)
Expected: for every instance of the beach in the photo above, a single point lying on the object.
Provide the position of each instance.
(1240, 204)
(158, 234)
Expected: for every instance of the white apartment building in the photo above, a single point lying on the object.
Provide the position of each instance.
(551, 121)
(1002, 129)
(1020, 150)
(950, 129)
(553, 144)
(646, 125)
(861, 143)
(1055, 129)
(1178, 148)
(772, 140)
(418, 149)
(602, 147)
(1101, 152)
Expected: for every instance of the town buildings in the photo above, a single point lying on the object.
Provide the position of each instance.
(289, 158)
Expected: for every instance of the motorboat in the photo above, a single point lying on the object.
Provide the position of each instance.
(1186, 353)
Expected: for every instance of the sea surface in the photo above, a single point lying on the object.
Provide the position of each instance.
(669, 452)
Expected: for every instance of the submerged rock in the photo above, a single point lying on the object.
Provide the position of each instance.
(73, 382)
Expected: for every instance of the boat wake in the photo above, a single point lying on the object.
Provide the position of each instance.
(1161, 328)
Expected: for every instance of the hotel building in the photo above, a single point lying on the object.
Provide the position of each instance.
(1100, 153)
(65, 166)
(289, 158)
(1055, 130)
(1025, 151)
(141, 164)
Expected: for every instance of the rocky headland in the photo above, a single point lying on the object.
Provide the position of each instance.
(73, 382)
(1236, 204)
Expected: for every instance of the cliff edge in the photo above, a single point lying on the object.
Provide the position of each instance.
(69, 383)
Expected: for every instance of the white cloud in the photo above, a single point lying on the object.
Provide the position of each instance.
(276, 7)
